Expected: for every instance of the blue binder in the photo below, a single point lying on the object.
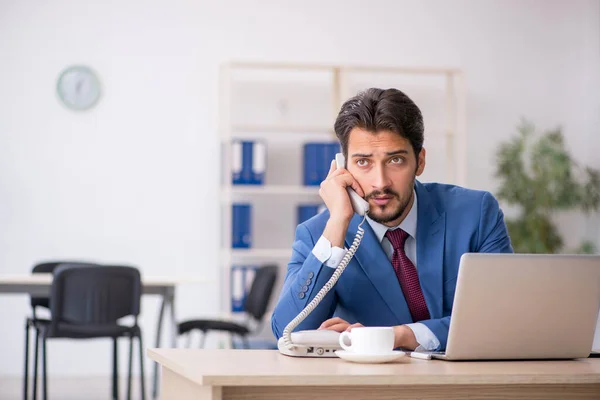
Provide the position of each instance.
(249, 274)
(332, 150)
(311, 176)
(306, 212)
(237, 288)
(241, 226)
(242, 277)
(313, 168)
(248, 162)
(322, 165)
(317, 161)
(236, 162)
(235, 229)
(259, 162)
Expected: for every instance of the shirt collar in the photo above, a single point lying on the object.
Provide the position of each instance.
(409, 224)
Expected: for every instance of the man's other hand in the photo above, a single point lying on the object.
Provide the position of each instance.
(338, 325)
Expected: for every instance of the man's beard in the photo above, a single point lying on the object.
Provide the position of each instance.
(397, 213)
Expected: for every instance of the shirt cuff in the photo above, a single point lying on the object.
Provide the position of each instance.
(330, 256)
(425, 337)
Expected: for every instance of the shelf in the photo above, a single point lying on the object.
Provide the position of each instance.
(271, 189)
(258, 253)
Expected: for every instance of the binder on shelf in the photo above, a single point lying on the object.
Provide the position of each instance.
(311, 175)
(241, 226)
(331, 150)
(248, 162)
(259, 163)
(321, 165)
(236, 162)
(307, 211)
(237, 288)
(242, 277)
(250, 274)
(317, 161)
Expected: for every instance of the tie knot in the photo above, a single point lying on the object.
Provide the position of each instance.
(397, 238)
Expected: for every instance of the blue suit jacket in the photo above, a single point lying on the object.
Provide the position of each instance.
(451, 221)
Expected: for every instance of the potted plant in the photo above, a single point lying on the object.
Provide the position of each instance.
(539, 176)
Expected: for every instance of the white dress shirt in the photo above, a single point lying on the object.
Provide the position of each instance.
(331, 257)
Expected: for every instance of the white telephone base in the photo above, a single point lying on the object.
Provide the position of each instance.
(312, 343)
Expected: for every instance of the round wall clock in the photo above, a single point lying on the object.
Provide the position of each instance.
(78, 87)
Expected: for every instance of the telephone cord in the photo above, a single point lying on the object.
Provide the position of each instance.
(287, 332)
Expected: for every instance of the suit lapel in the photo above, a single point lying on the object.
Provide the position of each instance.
(377, 267)
(431, 230)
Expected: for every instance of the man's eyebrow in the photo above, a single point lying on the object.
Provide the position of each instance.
(389, 153)
(396, 152)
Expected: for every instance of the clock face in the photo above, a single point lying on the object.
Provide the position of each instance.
(78, 87)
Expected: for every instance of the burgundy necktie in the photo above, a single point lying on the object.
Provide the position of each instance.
(407, 276)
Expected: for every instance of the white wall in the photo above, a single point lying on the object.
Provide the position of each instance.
(134, 180)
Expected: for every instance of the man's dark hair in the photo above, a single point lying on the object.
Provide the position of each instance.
(375, 110)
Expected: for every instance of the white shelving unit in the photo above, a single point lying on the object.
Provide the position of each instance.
(303, 109)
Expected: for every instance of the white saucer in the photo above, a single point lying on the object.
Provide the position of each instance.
(370, 358)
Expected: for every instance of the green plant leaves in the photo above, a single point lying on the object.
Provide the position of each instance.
(538, 174)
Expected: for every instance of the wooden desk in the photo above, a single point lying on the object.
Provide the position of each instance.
(40, 284)
(267, 375)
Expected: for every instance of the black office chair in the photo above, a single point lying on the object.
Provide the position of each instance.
(86, 301)
(44, 303)
(255, 307)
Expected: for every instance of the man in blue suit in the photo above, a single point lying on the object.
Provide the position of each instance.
(404, 271)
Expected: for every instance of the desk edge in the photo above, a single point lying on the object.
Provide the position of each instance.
(328, 380)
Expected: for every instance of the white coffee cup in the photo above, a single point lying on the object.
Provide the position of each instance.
(369, 340)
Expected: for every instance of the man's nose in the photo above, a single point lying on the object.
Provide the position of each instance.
(380, 178)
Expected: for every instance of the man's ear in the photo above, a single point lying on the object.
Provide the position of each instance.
(421, 162)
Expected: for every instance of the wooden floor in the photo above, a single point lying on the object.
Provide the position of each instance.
(96, 388)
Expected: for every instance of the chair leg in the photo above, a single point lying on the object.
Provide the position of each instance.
(188, 339)
(44, 370)
(142, 379)
(35, 363)
(26, 376)
(115, 383)
(129, 373)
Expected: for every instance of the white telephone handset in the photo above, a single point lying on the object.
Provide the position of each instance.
(323, 343)
(360, 205)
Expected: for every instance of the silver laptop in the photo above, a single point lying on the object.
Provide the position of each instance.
(524, 306)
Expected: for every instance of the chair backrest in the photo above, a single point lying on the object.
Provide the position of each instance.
(94, 295)
(261, 290)
(48, 268)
